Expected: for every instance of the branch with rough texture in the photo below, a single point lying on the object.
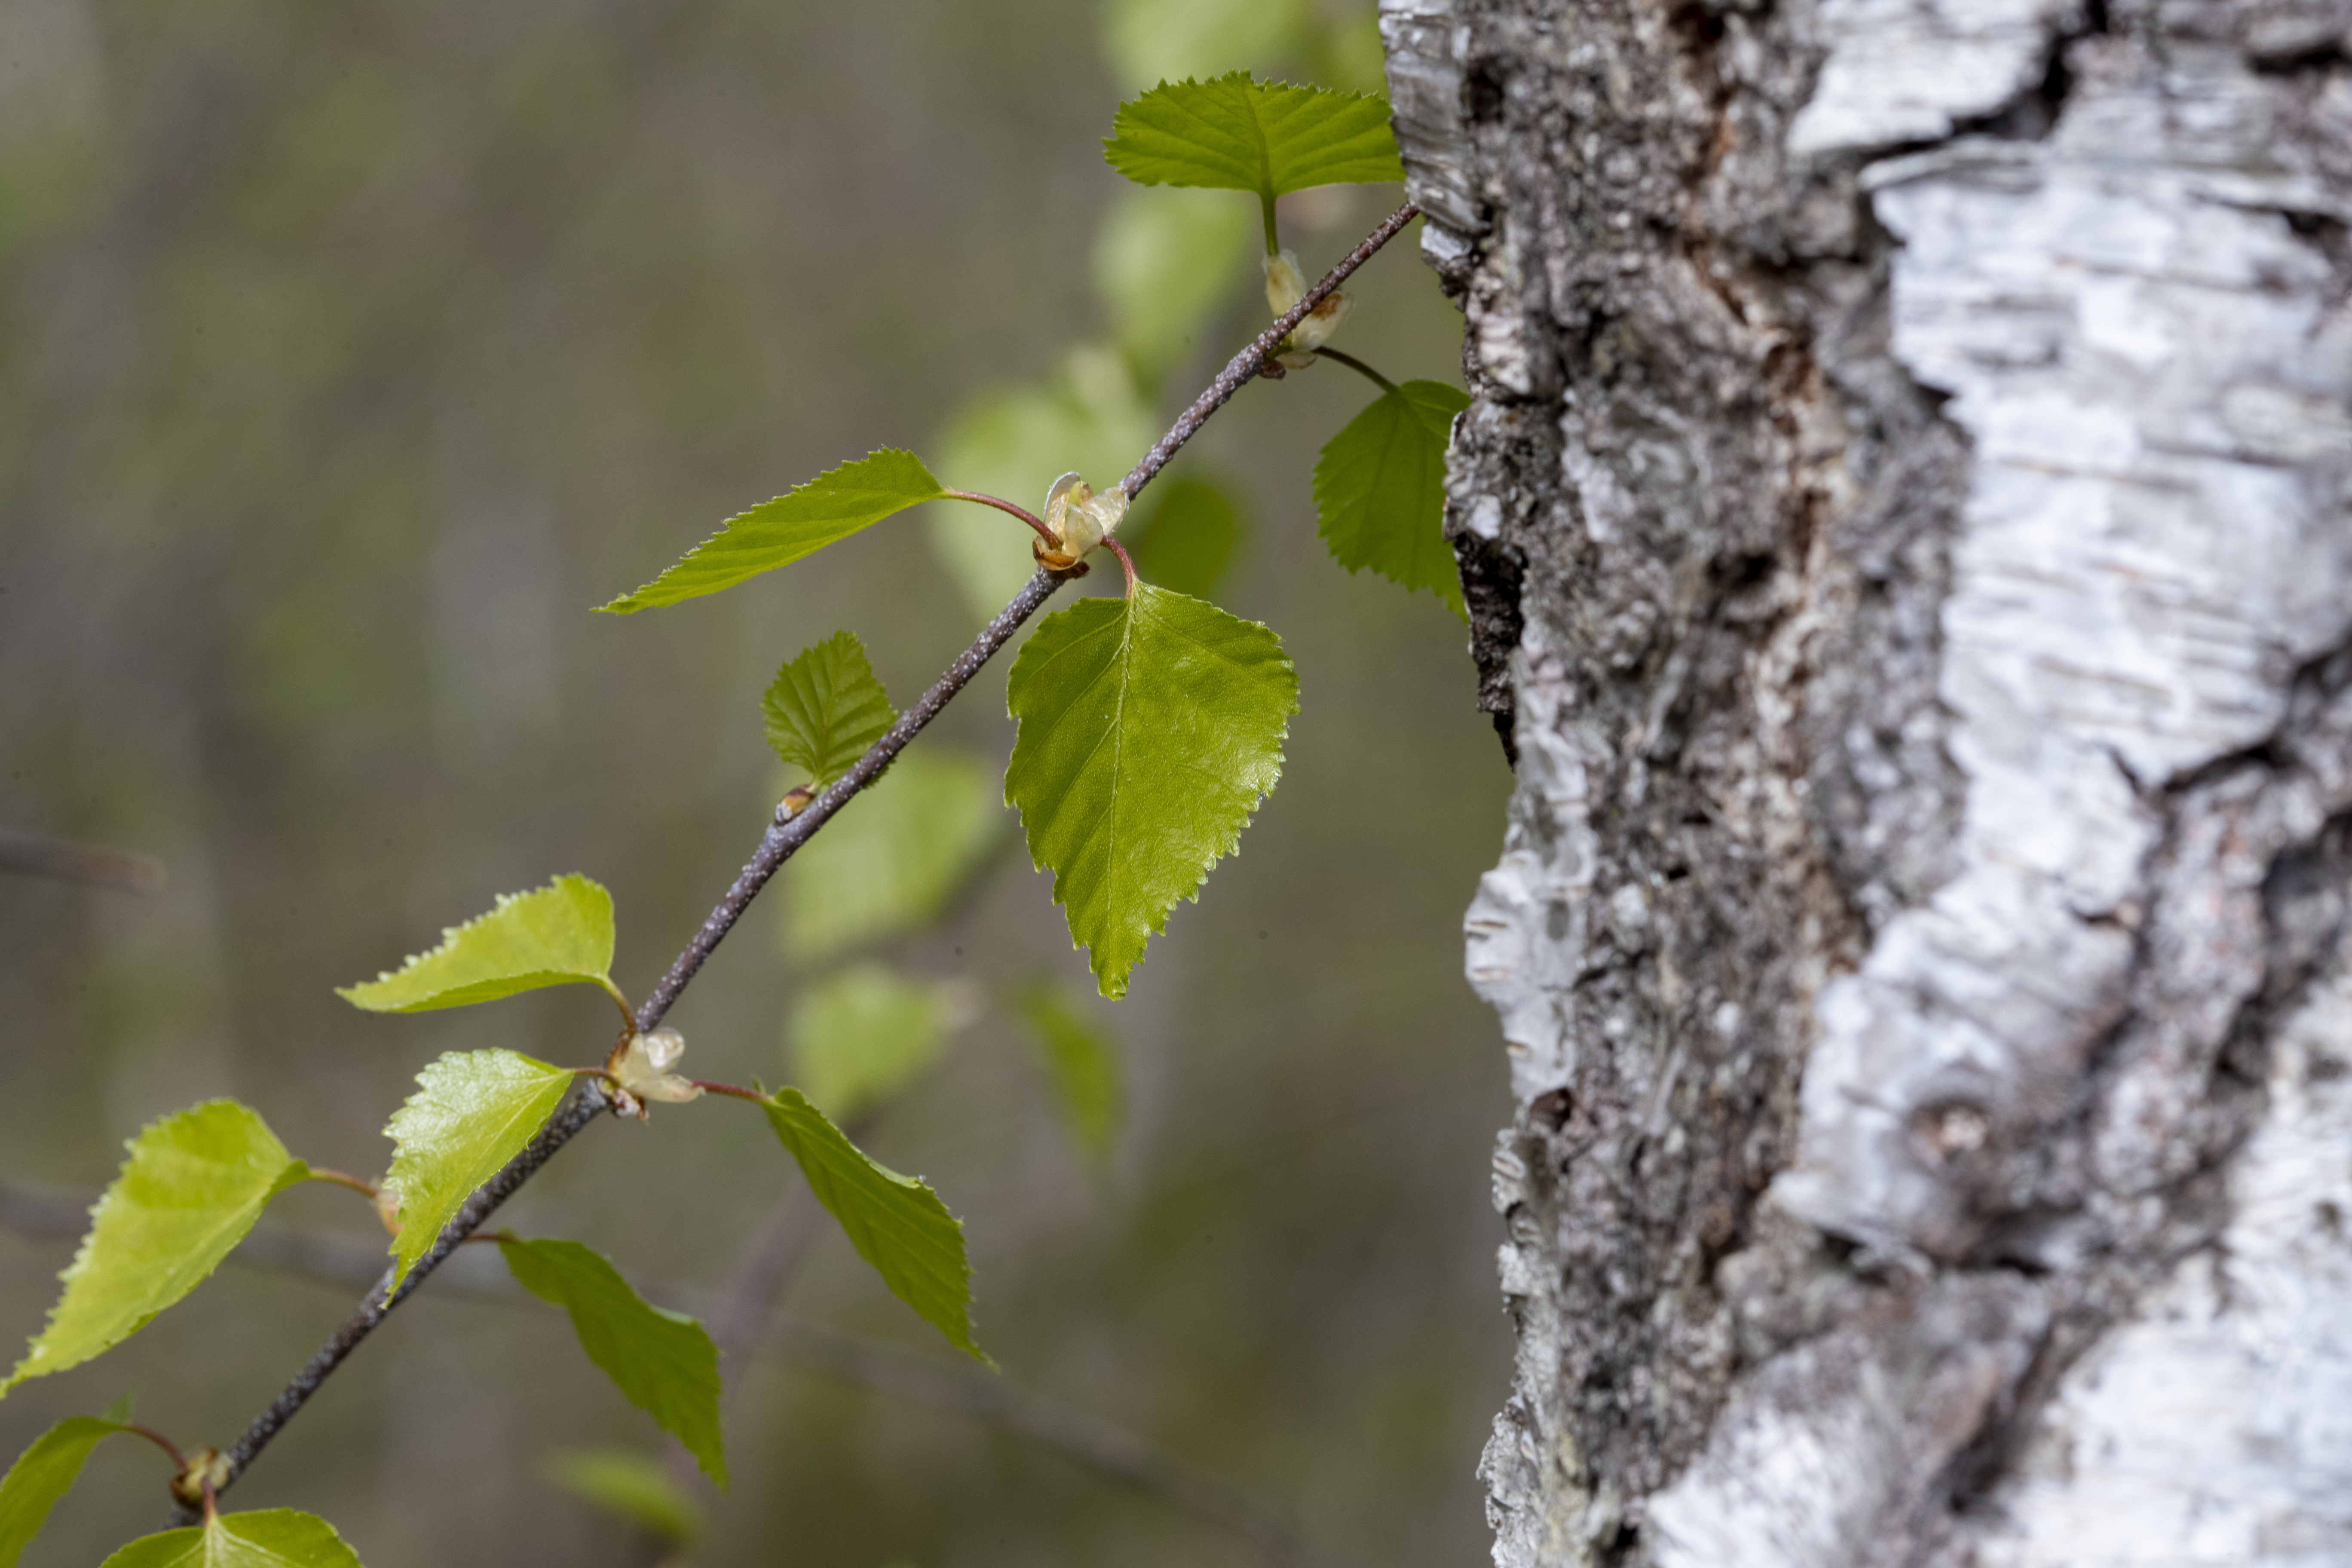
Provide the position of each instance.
(789, 830)
(745, 1327)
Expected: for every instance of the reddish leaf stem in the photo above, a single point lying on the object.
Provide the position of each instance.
(1001, 504)
(1126, 563)
(179, 1460)
(708, 1087)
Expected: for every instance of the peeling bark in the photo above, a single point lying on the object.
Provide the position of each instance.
(1906, 517)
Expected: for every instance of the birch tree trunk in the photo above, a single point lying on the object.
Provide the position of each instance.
(1905, 514)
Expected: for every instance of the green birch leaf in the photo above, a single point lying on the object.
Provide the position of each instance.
(41, 1475)
(631, 1486)
(1380, 489)
(825, 707)
(861, 1035)
(661, 1361)
(195, 1184)
(561, 935)
(472, 1112)
(894, 856)
(897, 1223)
(1081, 1068)
(265, 1537)
(1235, 133)
(828, 509)
(1150, 730)
(1187, 538)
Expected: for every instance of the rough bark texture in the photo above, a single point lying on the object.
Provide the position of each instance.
(1906, 515)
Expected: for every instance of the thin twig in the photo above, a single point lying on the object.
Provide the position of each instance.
(1245, 364)
(786, 833)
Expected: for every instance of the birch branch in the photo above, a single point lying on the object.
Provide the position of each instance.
(785, 834)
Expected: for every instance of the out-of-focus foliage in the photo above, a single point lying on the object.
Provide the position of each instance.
(892, 858)
(1189, 533)
(862, 1036)
(1164, 261)
(193, 1186)
(561, 935)
(1081, 1065)
(1161, 40)
(632, 1486)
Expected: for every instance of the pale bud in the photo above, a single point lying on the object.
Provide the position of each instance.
(1285, 285)
(643, 1072)
(1079, 517)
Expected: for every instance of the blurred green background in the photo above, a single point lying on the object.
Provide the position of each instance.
(347, 355)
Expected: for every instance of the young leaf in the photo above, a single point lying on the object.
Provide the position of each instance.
(661, 1361)
(265, 1537)
(860, 1035)
(1080, 1065)
(41, 1475)
(1380, 489)
(825, 707)
(895, 855)
(829, 508)
(195, 1184)
(1150, 728)
(1185, 543)
(635, 1487)
(561, 935)
(897, 1223)
(472, 1112)
(1233, 132)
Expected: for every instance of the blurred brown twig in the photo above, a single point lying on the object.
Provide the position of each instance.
(97, 865)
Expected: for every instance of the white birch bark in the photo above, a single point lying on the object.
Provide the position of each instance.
(1907, 514)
